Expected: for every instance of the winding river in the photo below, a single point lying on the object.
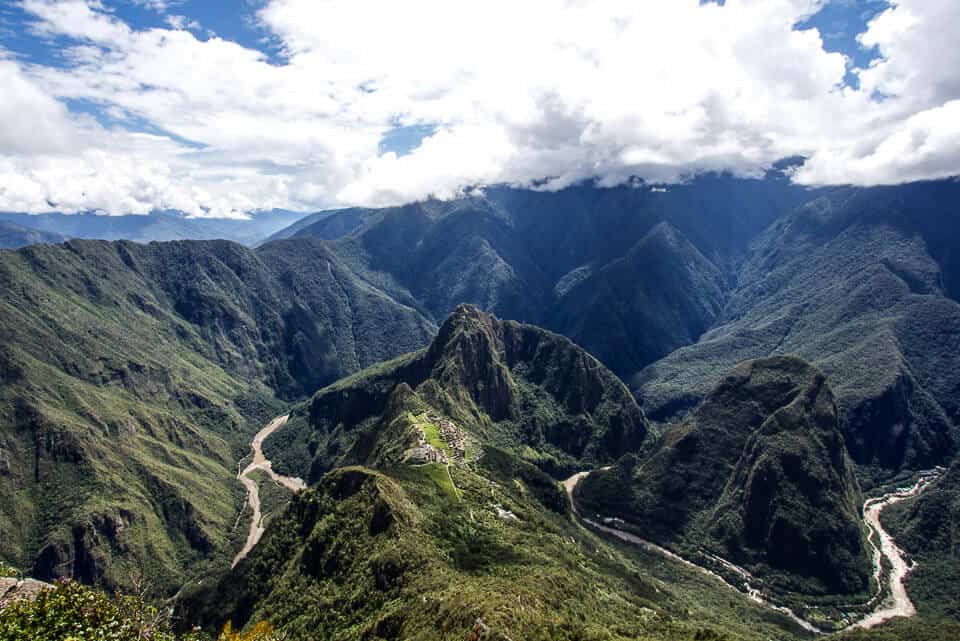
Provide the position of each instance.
(260, 462)
(897, 602)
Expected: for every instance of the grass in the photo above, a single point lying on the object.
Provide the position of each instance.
(440, 475)
(432, 433)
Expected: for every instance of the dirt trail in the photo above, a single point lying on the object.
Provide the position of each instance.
(897, 602)
(260, 462)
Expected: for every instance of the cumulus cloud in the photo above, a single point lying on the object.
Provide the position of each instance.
(561, 90)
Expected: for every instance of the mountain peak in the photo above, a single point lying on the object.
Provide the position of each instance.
(463, 316)
(518, 386)
(758, 473)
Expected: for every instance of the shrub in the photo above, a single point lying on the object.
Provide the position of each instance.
(70, 611)
(262, 631)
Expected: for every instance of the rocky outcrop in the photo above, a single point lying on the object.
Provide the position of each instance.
(13, 590)
(86, 552)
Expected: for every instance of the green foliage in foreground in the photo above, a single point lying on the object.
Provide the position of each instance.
(72, 612)
(69, 611)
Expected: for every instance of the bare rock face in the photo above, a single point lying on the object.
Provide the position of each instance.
(13, 590)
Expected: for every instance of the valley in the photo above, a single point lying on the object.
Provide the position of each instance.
(891, 601)
(260, 462)
(479, 321)
(259, 428)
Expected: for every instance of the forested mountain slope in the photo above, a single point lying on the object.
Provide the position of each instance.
(13, 236)
(649, 265)
(859, 283)
(132, 377)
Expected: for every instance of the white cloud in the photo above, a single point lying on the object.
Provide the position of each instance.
(519, 91)
(925, 146)
(31, 121)
(80, 19)
(182, 22)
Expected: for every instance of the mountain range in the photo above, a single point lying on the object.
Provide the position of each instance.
(132, 375)
(156, 226)
(390, 544)
(862, 284)
(722, 370)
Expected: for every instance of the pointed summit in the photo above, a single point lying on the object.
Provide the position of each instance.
(520, 387)
(758, 474)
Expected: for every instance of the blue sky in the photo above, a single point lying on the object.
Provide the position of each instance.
(217, 108)
(839, 22)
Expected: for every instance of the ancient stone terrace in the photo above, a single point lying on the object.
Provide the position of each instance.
(453, 436)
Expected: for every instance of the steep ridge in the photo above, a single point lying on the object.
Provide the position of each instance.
(853, 282)
(759, 475)
(132, 377)
(471, 545)
(663, 294)
(395, 554)
(514, 386)
(327, 225)
(520, 253)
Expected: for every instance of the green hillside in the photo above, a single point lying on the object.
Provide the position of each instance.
(758, 474)
(132, 378)
(514, 386)
(856, 282)
(392, 554)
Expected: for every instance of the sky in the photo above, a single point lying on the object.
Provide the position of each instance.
(228, 107)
